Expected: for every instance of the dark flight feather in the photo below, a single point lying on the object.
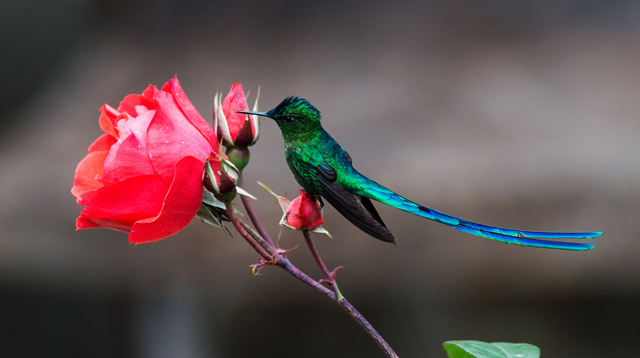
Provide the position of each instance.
(351, 206)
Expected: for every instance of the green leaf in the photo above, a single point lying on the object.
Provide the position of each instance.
(209, 199)
(477, 349)
(205, 215)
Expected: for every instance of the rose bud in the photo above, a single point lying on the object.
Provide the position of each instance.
(235, 129)
(144, 175)
(303, 213)
(220, 177)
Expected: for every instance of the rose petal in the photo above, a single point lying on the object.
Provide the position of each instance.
(87, 174)
(103, 143)
(117, 222)
(235, 101)
(108, 120)
(129, 103)
(135, 198)
(303, 213)
(215, 162)
(171, 137)
(190, 111)
(132, 159)
(140, 124)
(150, 92)
(180, 205)
(129, 157)
(310, 214)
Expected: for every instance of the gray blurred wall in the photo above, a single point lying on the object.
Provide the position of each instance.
(517, 114)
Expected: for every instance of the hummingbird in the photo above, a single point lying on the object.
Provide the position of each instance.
(324, 169)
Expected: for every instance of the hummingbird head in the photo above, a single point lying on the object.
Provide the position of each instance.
(296, 117)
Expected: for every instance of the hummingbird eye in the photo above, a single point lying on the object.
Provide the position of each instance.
(288, 118)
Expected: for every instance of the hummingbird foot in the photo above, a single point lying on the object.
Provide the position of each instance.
(315, 198)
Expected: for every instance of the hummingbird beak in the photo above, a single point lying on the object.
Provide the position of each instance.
(264, 114)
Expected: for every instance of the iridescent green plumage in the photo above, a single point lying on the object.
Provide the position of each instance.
(322, 167)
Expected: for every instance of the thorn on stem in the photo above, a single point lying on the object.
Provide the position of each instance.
(330, 283)
(332, 276)
(255, 268)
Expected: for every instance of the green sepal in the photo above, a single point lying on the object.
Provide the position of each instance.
(210, 199)
(210, 215)
(207, 216)
(209, 179)
(245, 193)
(477, 349)
(239, 156)
(230, 169)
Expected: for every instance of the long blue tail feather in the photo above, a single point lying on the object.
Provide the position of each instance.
(379, 193)
(527, 242)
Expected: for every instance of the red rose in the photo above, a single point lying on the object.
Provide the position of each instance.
(303, 213)
(144, 176)
(235, 129)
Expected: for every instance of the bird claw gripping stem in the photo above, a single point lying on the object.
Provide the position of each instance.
(319, 198)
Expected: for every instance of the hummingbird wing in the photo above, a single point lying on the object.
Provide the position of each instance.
(357, 209)
(317, 176)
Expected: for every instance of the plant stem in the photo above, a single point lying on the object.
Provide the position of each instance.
(346, 305)
(323, 267)
(245, 234)
(290, 268)
(284, 263)
(253, 216)
(386, 348)
(343, 301)
(256, 236)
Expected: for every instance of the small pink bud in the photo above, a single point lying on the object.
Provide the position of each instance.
(303, 213)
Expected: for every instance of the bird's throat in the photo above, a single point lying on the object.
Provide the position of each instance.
(301, 132)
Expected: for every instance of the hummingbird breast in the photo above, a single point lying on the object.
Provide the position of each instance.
(303, 171)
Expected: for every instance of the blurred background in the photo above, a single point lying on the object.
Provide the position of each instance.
(516, 114)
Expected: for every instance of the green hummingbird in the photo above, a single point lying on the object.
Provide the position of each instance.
(323, 168)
